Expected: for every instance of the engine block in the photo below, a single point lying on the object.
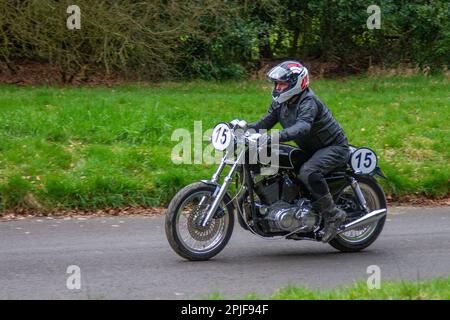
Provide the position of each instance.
(282, 216)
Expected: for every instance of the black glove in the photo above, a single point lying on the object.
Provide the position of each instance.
(236, 123)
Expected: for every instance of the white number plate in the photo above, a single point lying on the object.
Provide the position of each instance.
(221, 136)
(363, 160)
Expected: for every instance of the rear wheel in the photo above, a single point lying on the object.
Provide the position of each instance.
(360, 238)
(183, 230)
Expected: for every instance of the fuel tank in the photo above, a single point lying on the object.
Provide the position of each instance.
(289, 157)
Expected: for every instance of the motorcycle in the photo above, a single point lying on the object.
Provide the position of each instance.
(272, 204)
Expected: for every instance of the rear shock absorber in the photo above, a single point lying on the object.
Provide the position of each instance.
(359, 195)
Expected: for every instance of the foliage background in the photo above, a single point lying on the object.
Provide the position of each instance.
(210, 39)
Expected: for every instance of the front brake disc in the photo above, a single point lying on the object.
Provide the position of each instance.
(198, 232)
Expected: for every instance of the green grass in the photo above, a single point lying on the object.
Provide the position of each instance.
(436, 289)
(109, 147)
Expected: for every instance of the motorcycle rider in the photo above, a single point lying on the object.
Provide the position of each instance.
(309, 123)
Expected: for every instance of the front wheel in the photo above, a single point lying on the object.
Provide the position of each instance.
(360, 238)
(183, 230)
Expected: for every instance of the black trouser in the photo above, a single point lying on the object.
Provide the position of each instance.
(322, 162)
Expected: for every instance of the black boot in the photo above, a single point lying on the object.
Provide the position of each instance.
(332, 215)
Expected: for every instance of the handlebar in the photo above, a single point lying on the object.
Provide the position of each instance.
(247, 137)
(238, 124)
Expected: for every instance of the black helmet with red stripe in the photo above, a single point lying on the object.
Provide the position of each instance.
(294, 74)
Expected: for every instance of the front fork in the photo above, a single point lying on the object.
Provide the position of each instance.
(223, 188)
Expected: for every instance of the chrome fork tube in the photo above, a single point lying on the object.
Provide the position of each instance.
(215, 176)
(219, 170)
(223, 189)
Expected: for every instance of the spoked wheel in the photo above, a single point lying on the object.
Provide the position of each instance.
(183, 223)
(360, 238)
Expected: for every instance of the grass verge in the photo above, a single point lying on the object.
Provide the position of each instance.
(90, 148)
(435, 289)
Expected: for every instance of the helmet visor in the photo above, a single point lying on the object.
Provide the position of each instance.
(278, 74)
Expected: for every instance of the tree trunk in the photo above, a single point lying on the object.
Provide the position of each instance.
(293, 49)
(265, 51)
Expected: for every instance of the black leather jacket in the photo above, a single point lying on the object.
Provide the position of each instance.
(307, 121)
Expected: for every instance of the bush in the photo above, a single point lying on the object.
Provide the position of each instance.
(125, 36)
(166, 39)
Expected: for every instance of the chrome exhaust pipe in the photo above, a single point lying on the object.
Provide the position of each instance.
(367, 219)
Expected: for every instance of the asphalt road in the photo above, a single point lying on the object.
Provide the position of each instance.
(129, 258)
